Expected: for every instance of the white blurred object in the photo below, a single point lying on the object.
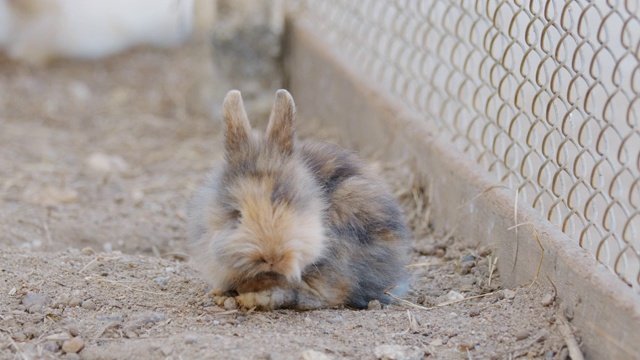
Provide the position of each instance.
(40, 30)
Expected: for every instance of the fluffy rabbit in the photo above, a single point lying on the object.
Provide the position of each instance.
(294, 224)
(40, 30)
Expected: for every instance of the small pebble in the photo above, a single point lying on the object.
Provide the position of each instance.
(169, 269)
(73, 345)
(88, 305)
(468, 258)
(230, 303)
(509, 294)
(131, 334)
(137, 196)
(111, 318)
(51, 346)
(466, 267)
(427, 250)
(154, 318)
(310, 354)
(466, 346)
(162, 280)
(454, 295)
(336, 320)
(73, 330)
(440, 253)
(474, 312)
(547, 300)
(166, 350)
(191, 339)
(75, 302)
(522, 334)
(88, 251)
(436, 342)
(397, 352)
(35, 302)
(374, 305)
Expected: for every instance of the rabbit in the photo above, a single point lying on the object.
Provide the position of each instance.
(285, 223)
(38, 31)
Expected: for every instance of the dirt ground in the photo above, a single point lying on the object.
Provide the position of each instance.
(97, 161)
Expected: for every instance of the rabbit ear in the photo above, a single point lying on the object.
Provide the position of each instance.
(237, 128)
(280, 131)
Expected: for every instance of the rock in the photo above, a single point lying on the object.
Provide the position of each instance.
(162, 280)
(137, 196)
(111, 318)
(310, 354)
(427, 250)
(548, 299)
(454, 296)
(88, 305)
(166, 350)
(474, 312)
(88, 251)
(522, 334)
(509, 294)
(374, 305)
(466, 346)
(466, 267)
(230, 303)
(154, 318)
(336, 320)
(75, 302)
(35, 302)
(51, 346)
(191, 339)
(73, 329)
(105, 163)
(397, 352)
(73, 345)
(436, 342)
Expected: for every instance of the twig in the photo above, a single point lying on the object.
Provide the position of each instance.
(535, 234)
(18, 350)
(409, 303)
(88, 264)
(492, 267)
(574, 349)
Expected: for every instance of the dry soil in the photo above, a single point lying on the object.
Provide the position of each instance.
(97, 161)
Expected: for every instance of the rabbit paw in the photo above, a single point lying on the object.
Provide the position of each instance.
(269, 299)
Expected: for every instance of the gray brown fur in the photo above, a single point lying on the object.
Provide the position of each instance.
(297, 224)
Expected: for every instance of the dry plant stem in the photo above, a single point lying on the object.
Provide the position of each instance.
(535, 234)
(574, 349)
(409, 303)
(492, 267)
(18, 351)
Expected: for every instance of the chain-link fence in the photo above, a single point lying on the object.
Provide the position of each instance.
(543, 95)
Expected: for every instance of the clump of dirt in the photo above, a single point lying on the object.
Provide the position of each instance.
(97, 161)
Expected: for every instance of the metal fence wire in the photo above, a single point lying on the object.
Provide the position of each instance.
(543, 95)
